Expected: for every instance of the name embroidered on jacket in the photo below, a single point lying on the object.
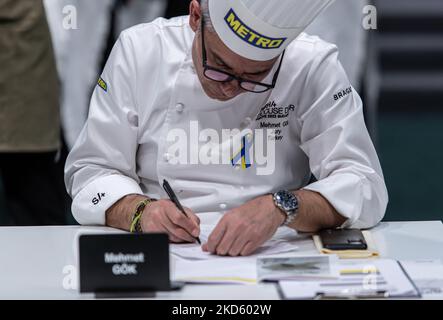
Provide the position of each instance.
(342, 94)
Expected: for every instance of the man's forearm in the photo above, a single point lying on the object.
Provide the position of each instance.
(120, 214)
(315, 213)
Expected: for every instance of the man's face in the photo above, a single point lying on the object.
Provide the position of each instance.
(221, 57)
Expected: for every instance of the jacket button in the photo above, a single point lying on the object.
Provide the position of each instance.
(167, 157)
(223, 206)
(246, 122)
(179, 107)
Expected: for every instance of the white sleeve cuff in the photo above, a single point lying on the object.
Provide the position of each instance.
(90, 205)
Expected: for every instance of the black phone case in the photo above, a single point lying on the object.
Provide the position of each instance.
(343, 239)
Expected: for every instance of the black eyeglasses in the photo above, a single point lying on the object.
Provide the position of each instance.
(222, 76)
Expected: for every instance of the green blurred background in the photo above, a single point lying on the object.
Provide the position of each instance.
(411, 153)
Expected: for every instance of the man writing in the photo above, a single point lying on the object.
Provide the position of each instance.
(242, 65)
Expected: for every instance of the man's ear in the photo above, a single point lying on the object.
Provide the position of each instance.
(194, 15)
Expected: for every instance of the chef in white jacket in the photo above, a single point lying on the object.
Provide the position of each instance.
(235, 106)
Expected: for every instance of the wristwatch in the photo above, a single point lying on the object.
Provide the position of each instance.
(287, 202)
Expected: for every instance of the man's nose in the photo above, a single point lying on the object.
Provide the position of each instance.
(231, 88)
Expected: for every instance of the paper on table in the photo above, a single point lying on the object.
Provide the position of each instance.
(297, 268)
(221, 271)
(282, 242)
(358, 277)
(192, 265)
(427, 276)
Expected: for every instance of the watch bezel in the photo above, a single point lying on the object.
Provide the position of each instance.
(287, 202)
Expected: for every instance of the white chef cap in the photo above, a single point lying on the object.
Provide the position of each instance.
(261, 29)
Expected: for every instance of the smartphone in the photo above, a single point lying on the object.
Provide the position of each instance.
(343, 239)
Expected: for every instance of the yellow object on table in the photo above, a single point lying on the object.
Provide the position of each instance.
(370, 252)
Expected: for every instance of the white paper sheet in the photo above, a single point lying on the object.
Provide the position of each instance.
(358, 277)
(282, 242)
(315, 267)
(224, 270)
(427, 276)
(191, 264)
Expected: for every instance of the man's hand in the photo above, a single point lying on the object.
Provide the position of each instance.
(242, 230)
(158, 216)
(164, 216)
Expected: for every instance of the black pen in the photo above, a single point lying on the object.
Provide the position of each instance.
(174, 199)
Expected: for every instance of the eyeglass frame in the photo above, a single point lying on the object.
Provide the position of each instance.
(231, 77)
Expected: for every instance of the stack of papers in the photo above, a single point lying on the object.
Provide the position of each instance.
(191, 264)
(194, 252)
(297, 268)
(358, 278)
(220, 271)
(427, 276)
(282, 242)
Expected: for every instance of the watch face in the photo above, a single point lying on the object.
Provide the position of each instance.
(287, 200)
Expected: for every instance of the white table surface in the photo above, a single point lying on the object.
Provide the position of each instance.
(35, 262)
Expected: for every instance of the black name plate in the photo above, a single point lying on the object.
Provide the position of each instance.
(124, 263)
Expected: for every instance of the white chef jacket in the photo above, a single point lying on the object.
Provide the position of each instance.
(152, 88)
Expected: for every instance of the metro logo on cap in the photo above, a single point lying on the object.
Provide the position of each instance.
(261, 30)
(249, 35)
